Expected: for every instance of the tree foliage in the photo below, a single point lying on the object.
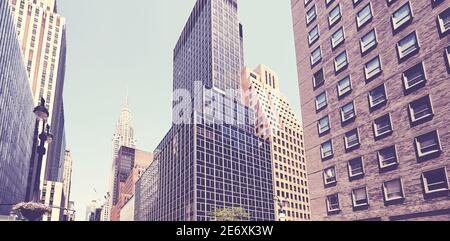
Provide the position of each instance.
(231, 214)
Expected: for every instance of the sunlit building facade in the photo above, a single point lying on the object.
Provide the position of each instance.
(276, 122)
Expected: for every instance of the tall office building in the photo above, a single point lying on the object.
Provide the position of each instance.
(211, 158)
(42, 35)
(276, 122)
(16, 118)
(130, 162)
(122, 137)
(374, 86)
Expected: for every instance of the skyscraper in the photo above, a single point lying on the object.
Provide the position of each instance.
(42, 35)
(122, 137)
(67, 181)
(53, 196)
(373, 78)
(276, 122)
(211, 158)
(16, 117)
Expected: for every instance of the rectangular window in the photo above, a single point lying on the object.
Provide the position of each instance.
(407, 46)
(335, 15)
(393, 190)
(321, 101)
(428, 144)
(382, 126)
(372, 68)
(435, 181)
(318, 78)
(329, 176)
(402, 16)
(387, 157)
(359, 197)
(355, 2)
(337, 38)
(326, 150)
(324, 125)
(316, 56)
(420, 109)
(377, 97)
(368, 41)
(364, 16)
(340, 61)
(311, 14)
(414, 77)
(444, 21)
(348, 112)
(356, 168)
(344, 86)
(351, 139)
(333, 203)
(313, 35)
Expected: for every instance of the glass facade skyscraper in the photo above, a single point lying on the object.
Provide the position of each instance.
(16, 116)
(211, 157)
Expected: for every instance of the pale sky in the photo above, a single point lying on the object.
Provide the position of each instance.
(118, 45)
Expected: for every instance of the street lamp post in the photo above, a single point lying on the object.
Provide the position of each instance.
(282, 212)
(42, 114)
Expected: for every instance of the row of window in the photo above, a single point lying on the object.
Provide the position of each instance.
(427, 146)
(434, 182)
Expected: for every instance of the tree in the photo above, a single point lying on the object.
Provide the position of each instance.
(231, 214)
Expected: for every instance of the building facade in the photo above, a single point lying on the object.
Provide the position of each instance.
(373, 78)
(127, 211)
(16, 117)
(211, 158)
(276, 122)
(42, 36)
(130, 163)
(53, 196)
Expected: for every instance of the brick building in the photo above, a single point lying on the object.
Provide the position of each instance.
(374, 81)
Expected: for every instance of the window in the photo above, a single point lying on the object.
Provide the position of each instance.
(348, 112)
(356, 168)
(313, 35)
(344, 86)
(387, 157)
(326, 150)
(402, 16)
(407, 46)
(355, 2)
(311, 14)
(324, 125)
(340, 61)
(393, 190)
(447, 55)
(428, 144)
(372, 68)
(364, 16)
(321, 101)
(333, 203)
(435, 181)
(307, 2)
(382, 126)
(359, 197)
(414, 77)
(420, 109)
(318, 78)
(328, 2)
(351, 139)
(377, 97)
(337, 38)
(329, 176)
(316, 56)
(444, 21)
(334, 16)
(389, 2)
(368, 41)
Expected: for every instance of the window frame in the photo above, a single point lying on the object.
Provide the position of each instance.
(374, 106)
(355, 205)
(400, 53)
(332, 22)
(360, 25)
(440, 22)
(412, 113)
(365, 50)
(385, 191)
(409, 88)
(346, 144)
(331, 150)
(345, 120)
(341, 93)
(343, 65)
(390, 165)
(375, 74)
(396, 26)
(319, 127)
(326, 101)
(325, 176)
(329, 209)
(426, 184)
(334, 45)
(384, 134)
(351, 173)
(419, 148)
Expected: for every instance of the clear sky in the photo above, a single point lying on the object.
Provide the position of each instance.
(118, 45)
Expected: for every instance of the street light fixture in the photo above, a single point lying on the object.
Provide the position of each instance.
(282, 203)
